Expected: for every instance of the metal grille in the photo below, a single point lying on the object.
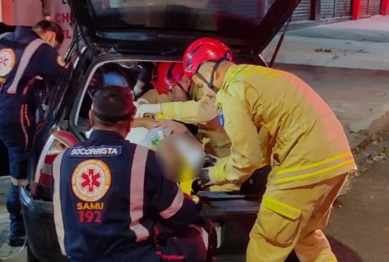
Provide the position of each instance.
(327, 8)
(335, 8)
(303, 11)
(373, 7)
(342, 8)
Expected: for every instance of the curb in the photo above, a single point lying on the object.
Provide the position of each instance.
(347, 70)
(323, 68)
(375, 123)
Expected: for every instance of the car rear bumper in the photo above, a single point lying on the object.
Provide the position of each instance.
(40, 228)
(235, 218)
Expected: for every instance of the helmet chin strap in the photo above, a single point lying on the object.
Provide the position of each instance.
(210, 83)
(186, 90)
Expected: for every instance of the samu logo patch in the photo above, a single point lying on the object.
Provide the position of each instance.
(7, 61)
(91, 180)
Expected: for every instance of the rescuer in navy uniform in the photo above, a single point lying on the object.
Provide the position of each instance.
(25, 55)
(110, 197)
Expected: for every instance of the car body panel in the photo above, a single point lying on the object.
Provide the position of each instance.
(168, 27)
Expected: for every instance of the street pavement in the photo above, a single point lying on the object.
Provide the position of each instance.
(359, 222)
(344, 65)
(353, 44)
(361, 45)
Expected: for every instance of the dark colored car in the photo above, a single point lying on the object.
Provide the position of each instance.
(123, 36)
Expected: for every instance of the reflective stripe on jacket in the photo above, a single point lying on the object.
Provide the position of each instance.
(307, 144)
(111, 193)
(202, 112)
(26, 56)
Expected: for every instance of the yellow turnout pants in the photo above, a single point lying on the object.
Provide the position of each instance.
(294, 219)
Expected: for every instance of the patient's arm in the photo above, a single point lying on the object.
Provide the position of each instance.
(146, 122)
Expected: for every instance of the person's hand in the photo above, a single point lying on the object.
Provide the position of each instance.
(47, 17)
(146, 122)
(173, 126)
(147, 109)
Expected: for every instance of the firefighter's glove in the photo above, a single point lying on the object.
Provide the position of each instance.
(203, 181)
(144, 109)
(210, 161)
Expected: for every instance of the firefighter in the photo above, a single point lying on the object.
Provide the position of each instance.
(25, 54)
(310, 154)
(115, 196)
(188, 104)
(168, 85)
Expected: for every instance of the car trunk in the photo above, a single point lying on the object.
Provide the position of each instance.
(168, 27)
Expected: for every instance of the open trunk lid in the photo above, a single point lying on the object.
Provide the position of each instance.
(169, 26)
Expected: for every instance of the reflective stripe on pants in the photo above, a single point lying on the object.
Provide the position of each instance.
(294, 219)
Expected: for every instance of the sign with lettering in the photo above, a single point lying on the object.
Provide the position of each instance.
(60, 12)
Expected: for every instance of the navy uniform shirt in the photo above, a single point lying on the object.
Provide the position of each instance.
(109, 195)
(45, 62)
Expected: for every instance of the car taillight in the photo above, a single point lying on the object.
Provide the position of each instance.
(57, 142)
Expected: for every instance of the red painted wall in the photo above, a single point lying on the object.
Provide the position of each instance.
(357, 9)
(21, 12)
(8, 12)
(385, 7)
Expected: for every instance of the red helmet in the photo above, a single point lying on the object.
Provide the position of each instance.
(166, 75)
(203, 50)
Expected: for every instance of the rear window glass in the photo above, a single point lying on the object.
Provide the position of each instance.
(227, 17)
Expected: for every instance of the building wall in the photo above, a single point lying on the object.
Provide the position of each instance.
(339, 9)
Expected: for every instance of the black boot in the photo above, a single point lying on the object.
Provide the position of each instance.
(16, 240)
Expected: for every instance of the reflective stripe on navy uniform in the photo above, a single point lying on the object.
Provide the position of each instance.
(108, 197)
(24, 56)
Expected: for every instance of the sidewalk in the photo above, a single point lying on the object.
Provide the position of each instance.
(354, 95)
(362, 44)
(361, 49)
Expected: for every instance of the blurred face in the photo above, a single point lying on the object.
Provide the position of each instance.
(176, 149)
